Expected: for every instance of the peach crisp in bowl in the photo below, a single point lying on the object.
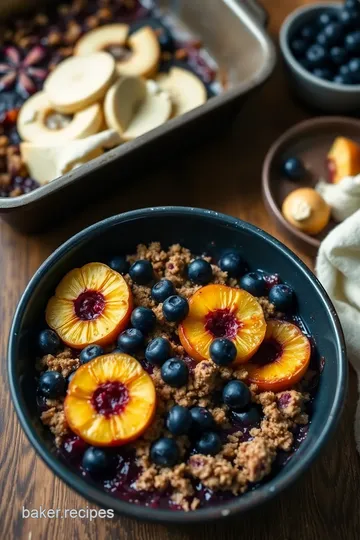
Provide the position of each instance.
(169, 363)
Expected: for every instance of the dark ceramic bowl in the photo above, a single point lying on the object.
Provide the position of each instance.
(200, 230)
(323, 95)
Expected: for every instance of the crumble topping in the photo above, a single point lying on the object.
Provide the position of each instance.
(245, 458)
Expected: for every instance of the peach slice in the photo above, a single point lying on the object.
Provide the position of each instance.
(282, 359)
(343, 159)
(91, 305)
(220, 311)
(110, 401)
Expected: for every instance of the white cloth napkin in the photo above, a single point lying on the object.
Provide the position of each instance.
(338, 269)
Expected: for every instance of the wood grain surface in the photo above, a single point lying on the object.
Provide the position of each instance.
(223, 175)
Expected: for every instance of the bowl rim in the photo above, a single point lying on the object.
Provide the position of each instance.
(289, 134)
(285, 30)
(237, 505)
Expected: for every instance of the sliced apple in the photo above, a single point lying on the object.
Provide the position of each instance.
(46, 162)
(133, 108)
(91, 305)
(80, 81)
(219, 311)
(137, 55)
(110, 400)
(145, 55)
(186, 90)
(282, 360)
(104, 38)
(38, 122)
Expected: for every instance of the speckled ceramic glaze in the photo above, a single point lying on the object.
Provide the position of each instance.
(199, 230)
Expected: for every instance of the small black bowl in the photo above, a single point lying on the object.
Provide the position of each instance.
(201, 231)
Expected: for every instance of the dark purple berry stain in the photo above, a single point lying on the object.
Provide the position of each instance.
(222, 323)
(110, 398)
(89, 305)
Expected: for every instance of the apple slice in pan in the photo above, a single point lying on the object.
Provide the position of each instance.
(38, 122)
(186, 90)
(80, 81)
(137, 55)
(134, 107)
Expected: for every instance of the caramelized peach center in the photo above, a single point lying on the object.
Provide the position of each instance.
(89, 305)
(222, 323)
(110, 398)
(269, 351)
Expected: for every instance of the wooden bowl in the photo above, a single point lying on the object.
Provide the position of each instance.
(309, 141)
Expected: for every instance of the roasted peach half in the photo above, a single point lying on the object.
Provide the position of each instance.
(220, 311)
(343, 159)
(110, 400)
(282, 359)
(91, 305)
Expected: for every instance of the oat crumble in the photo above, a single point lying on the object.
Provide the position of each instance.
(244, 458)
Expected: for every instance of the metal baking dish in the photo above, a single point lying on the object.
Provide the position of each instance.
(233, 32)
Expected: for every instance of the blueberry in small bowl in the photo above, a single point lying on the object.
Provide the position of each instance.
(321, 48)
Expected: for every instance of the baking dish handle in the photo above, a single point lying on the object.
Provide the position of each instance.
(257, 10)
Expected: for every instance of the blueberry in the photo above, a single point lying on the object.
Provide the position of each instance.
(90, 352)
(344, 70)
(293, 168)
(52, 384)
(97, 462)
(131, 340)
(165, 452)
(308, 33)
(352, 42)
(326, 18)
(49, 342)
(143, 319)
(222, 351)
(175, 372)
(350, 18)
(338, 55)
(316, 56)
(236, 395)
(233, 263)
(209, 444)
(141, 272)
(343, 79)
(333, 33)
(162, 290)
(158, 351)
(175, 308)
(354, 70)
(352, 4)
(202, 419)
(248, 417)
(179, 420)
(282, 296)
(200, 272)
(119, 264)
(298, 47)
(321, 39)
(166, 41)
(323, 73)
(254, 283)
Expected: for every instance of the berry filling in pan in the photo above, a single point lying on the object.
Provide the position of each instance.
(175, 381)
(87, 76)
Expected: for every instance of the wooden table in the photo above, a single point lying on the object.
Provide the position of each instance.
(326, 502)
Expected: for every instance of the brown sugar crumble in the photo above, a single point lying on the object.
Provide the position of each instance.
(246, 457)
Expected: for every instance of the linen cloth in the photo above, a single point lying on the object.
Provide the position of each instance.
(338, 269)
